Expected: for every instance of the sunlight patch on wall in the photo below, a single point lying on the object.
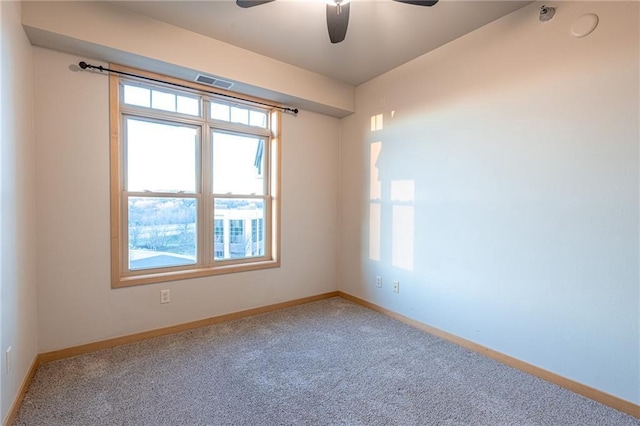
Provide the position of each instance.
(375, 195)
(375, 187)
(402, 240)
(374, 231)
(402, 190)
(376, 122)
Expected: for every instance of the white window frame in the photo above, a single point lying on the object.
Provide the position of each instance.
(205, 264)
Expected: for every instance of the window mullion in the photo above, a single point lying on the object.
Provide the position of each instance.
(207, 227)
(201, 224)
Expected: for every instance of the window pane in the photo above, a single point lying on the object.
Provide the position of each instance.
(162, 232)
(139, 96)
(238, 228)
(239, 115)
(161, 157)
(258, 118)
(187, 105)
(164, 101)
(238, 163)
(220, 111)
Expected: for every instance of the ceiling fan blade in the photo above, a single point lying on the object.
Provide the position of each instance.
(337, 21)
(250, 3)
(419, 2)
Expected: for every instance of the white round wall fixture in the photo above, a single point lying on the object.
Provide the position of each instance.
(584, 25)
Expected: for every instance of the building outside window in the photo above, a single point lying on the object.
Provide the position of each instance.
(219, 238)
(237, 241)
(257, 232)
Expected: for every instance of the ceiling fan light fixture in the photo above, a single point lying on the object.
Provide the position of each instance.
(337, 20)
(338, 2)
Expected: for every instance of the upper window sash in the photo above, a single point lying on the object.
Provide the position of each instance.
(160, 99)
(236, 113)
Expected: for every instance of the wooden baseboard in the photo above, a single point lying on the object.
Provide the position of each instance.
(131, 338)
(579, 388)
(15, 407)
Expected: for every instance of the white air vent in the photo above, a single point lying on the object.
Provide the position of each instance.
(212, 81)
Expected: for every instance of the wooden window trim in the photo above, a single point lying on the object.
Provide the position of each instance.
(272, 234)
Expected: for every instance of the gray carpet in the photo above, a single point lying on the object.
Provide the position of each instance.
(328, 362)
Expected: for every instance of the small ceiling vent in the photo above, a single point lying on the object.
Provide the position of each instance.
(212, 81)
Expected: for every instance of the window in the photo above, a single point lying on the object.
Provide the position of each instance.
(194, 182)
(219, 238)
(237, 242)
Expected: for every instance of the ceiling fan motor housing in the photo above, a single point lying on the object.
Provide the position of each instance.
(337, 14)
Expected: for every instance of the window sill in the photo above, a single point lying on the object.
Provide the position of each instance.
(129, 281)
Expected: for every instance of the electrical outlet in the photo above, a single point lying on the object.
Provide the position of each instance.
(378, 281)
(165, 297)
(8, 360)
(396, 286)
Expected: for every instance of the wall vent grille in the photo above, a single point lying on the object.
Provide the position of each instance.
(212, 81)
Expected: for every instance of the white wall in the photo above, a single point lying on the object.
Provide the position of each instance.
(17, 205)
(77, 304)
(509, 192)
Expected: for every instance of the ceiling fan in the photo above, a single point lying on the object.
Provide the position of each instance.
(337, 14)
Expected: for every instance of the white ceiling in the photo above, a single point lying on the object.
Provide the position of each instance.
(382, 34)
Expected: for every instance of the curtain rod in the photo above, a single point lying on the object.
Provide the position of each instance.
(100, 68)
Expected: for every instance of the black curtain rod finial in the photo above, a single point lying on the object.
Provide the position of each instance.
(84, 66)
